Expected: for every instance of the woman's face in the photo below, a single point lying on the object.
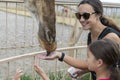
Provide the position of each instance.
(91, 60)
(87, 20)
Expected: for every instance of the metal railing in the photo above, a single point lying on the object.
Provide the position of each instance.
(77, 51)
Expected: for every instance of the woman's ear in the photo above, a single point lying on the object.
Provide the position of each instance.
(98, 16)
(99, 62)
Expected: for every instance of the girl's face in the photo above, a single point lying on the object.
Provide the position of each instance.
(92, 62)
(88, 20)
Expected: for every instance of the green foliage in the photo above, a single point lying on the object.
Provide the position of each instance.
(37, 78)
(67, 77)
(59, 76)
(86, 77)
(26, 77)
(29, 77)
(52, 76)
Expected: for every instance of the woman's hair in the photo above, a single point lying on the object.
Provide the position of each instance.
(98, 8)
(109, 52)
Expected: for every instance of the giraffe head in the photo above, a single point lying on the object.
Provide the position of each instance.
(44, 12)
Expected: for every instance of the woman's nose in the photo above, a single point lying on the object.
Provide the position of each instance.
(81, 19)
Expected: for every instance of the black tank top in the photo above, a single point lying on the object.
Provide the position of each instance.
(102, 35)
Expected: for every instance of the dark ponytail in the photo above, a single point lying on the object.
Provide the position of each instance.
(115, 73)
(110, 23)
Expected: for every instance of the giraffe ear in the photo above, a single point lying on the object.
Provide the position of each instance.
(99, 62)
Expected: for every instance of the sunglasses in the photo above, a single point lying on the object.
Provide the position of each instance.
(86, 16)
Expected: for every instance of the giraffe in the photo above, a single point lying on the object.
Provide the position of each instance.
(44, 12)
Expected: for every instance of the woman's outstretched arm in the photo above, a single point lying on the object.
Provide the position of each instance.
(81, 64)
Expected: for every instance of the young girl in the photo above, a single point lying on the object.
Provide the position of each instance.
(103, 57)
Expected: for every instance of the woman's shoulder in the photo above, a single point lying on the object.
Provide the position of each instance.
(109, 32)
(112, 30)
(113, 36)
(112, 33)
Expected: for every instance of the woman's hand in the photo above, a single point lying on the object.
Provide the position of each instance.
(76, 72)
(52, 56)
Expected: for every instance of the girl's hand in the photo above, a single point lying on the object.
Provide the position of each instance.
(41, 72)
(18, 74)
(38, 69)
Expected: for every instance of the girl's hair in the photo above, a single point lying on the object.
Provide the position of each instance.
(109, 52)
(98, 8)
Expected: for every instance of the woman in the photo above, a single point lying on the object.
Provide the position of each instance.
(90, 15)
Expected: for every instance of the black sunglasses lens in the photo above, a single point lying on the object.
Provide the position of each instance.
(78, 16)
(86, 16)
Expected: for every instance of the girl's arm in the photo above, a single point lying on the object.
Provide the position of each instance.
(41, 72)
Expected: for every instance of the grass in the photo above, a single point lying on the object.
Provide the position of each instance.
(59, 76)
(52, 76)
(26, 77)
(86, 77)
